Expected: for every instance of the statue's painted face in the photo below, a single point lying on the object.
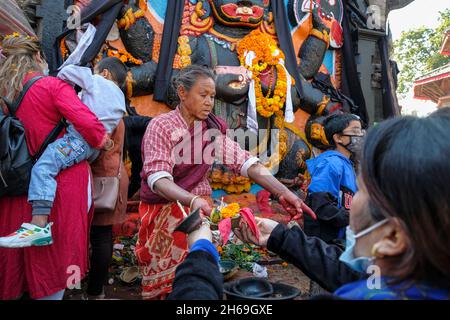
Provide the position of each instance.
(239, 13)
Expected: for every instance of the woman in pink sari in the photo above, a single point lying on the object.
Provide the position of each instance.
(45, 271)
(176, 163)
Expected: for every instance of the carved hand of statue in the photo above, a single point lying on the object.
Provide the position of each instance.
(136, 32)
(318, 23)
(297, 181)
(126, 8)
(232, 88)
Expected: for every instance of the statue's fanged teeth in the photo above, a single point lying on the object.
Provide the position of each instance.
(244, 10)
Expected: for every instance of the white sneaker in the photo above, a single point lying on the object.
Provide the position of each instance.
(28, 235)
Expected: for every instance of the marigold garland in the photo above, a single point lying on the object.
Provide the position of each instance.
(123, 55)
(230, 210)
(229, 182)
(267, 57)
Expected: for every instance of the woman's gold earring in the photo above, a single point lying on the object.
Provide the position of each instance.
(374, 251)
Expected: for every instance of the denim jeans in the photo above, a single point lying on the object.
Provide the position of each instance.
(59, 155)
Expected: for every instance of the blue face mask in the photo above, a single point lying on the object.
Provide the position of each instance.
(359, 264)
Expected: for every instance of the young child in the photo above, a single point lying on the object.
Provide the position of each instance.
(333, 178)
(102, 93)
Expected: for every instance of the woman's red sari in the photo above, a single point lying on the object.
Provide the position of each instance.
(159, 249)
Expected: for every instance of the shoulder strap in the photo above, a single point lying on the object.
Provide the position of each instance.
(119, 174)
(50, 138)
(15, 105)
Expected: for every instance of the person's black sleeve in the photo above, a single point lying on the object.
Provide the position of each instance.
(326, 208)
(197, 278)
(137, 124)
(315, 258)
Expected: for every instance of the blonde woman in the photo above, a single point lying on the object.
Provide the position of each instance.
(45, 271)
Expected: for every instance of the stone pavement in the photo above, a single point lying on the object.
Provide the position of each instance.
(277, 273)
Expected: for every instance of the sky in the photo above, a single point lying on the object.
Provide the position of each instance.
(416, 14)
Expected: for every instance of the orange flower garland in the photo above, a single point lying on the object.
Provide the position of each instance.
(267, 56)
(265, 105)
(230, 210)
(123, 55)
(229, 182)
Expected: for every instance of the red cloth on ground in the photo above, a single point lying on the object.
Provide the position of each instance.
(43, 271)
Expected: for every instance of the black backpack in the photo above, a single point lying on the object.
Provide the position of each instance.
(15, 161)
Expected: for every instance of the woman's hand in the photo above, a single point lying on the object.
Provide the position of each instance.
(295, 207)
(203, 205)
(265, 227)
(107, 143)
(203, 232)
(291, 203)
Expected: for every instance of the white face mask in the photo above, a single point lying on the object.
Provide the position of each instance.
(359, 264)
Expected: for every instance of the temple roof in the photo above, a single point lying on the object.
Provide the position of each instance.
(433, 85)
(445, 49)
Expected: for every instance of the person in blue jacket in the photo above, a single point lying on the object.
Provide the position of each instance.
(333, 178)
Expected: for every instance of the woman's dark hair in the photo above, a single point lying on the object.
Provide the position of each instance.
(336, 123)
(406, 171)
(187, 76)
(117, 69)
